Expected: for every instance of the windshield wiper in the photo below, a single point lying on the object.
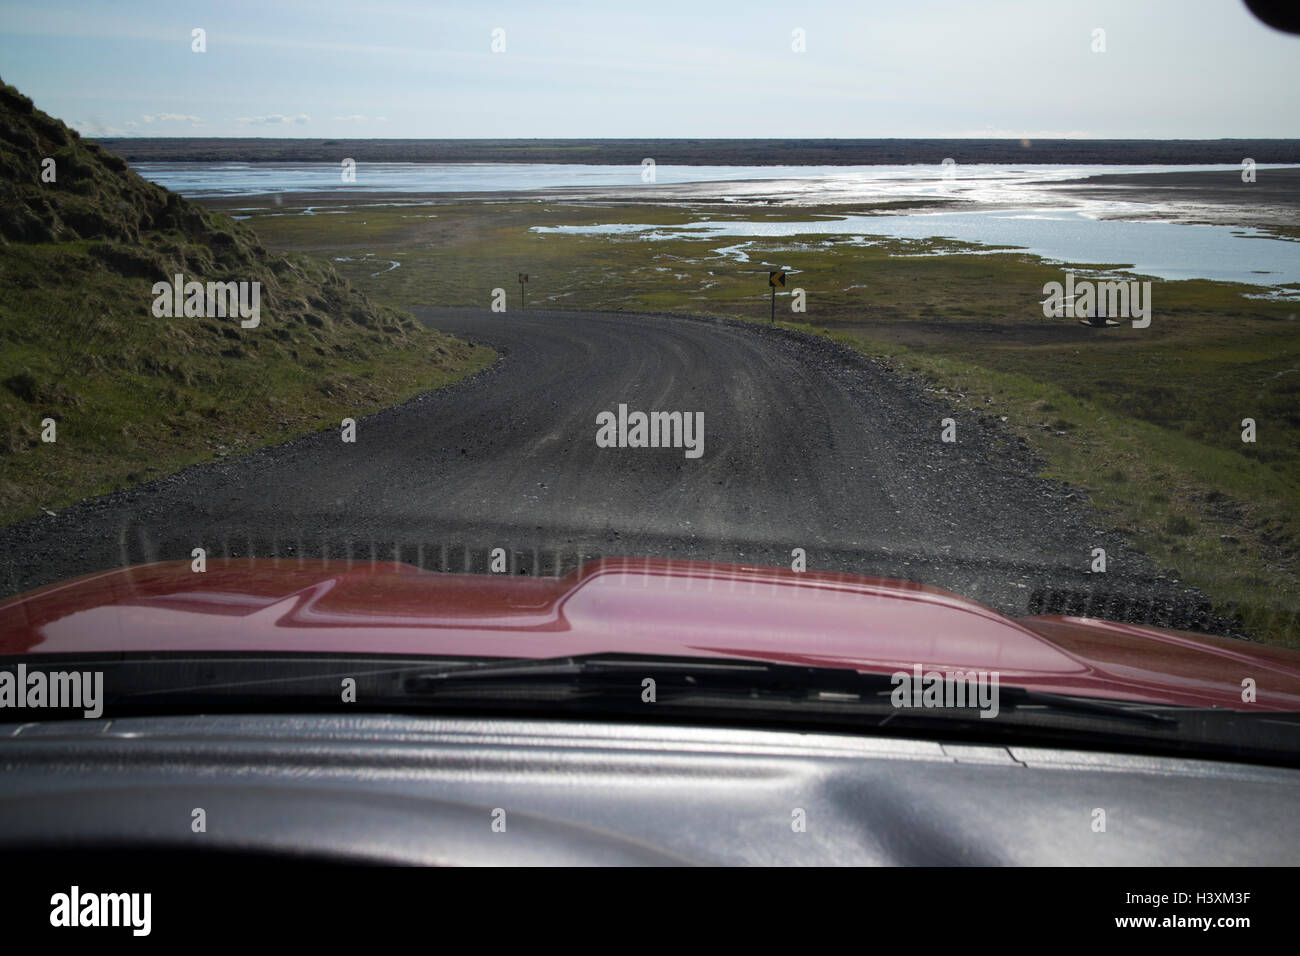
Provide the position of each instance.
(825, 684)
(616, 674)
(1025, 701)
(593, 665)
(715, 690)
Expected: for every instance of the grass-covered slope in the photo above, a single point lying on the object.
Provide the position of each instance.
(134, 395)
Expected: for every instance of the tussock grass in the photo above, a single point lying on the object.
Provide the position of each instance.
(135, 396)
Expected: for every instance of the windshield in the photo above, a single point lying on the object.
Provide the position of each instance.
(951, 345)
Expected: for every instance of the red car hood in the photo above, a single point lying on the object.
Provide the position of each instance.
(633, 606)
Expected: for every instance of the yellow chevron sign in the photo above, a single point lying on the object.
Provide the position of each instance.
(776, 278)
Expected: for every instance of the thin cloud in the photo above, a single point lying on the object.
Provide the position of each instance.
(170, 118)
(273, 119)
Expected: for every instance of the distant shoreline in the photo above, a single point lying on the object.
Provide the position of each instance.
(1215, 197)
(697, 152)
(1273, 199)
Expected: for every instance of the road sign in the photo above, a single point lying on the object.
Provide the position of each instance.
(523, 277)
(775, 279)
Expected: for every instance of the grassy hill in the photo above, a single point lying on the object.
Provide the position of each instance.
(134, 395)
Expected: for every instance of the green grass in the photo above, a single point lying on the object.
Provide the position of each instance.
(1223, 520)
(135, 397)
(1147, 422)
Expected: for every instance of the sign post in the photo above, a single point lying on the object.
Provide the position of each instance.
(775, 279)
(523, 277)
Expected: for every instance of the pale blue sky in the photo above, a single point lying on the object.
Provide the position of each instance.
(662, 68)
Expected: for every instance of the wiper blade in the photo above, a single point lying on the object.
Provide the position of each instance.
(709, 688)
(587, 665)
(1022, 700)
(824, 684)
(586, 675)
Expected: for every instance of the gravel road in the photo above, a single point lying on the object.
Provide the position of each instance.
(806, 445)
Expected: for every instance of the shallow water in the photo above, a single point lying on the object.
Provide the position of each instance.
(1159, 249)
(1076, 234)
(989, 183)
